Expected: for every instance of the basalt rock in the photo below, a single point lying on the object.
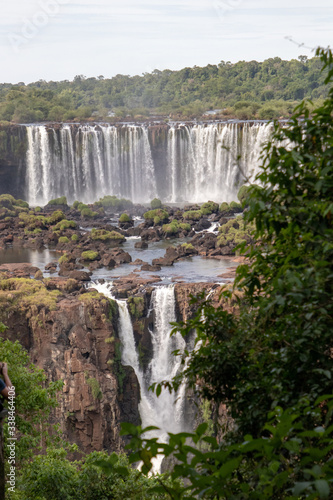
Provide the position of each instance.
(76, 342)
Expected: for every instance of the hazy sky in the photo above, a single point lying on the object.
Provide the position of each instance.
(58, 39)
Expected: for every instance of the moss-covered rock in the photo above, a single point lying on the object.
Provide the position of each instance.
(58, 201)
(106, 236)
(65, 224)
(55, 217)
(155, 203)
(234, 232)
(136, 306)
(90, 255)
(125, 218)
(22, 293)
(209, 208)
(175, 227)
(158, 212)
(114, 202)
(192, 215)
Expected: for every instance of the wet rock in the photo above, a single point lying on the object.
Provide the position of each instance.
(79, 275)
(202, 225)
(108, 261)
(141, 244)
(148, 267)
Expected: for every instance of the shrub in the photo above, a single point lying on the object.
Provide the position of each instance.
(65, 224)
(243, 193)
(136, 306)
(63, 239)
(155, 203)
(58, 201)
(55, 217)
(236, 205)
(125, 218)
(74, 237)
(88, 213)
(103, 235)
(158, 212)
(209, 207)
(192, 215)
(114, 202)
(175, 227)
(157, 220)
(89, 255)
(63, 259)
(224, 207)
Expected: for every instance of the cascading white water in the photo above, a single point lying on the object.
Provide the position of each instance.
(86, 162)
(167, 410)
(208, 161)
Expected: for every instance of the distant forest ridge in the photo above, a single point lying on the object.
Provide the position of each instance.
(244, 90)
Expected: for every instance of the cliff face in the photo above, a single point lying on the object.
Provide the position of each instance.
(72, 334)
(75, 340)
(13, 147)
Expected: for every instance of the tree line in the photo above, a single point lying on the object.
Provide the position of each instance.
(244, 90)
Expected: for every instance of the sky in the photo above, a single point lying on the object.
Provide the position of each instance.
(58, 39)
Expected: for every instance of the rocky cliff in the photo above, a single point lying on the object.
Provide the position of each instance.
(72, 333)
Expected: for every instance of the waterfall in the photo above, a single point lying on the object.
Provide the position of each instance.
(87, 162)
(207, 162)
(167, 410)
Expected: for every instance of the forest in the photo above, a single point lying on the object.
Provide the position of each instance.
(244, 90)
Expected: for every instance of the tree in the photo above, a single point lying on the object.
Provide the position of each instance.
(34, 400)
(274, 358)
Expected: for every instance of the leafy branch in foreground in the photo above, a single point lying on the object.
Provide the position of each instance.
(274, 357)
(291, 461)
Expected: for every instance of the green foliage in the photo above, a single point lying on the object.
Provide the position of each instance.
(55, 217)
(209, 207)
(234, 232)
(10, 207)
(188, 246)
(63, 259)
(65, 224)
(158, 212)
(89, 255)
(293, 461)
(96, 477)
(271, 362)
(22, 293)
(136, 306)
(175, 227)
(114, 202)
(58, 201)
(224, 207)
(95, 388)
(192, 215)
(87, 213)
(118, 367)
(74, 237)
(155, 203)
(103, 235)
(124, 218)
(245, 90)
(236, 205)
(157, 221)
(35, 398)
(243, 193)
(63, 239)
